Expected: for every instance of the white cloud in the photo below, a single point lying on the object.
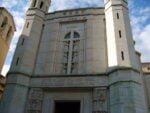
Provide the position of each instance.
(70, 4)
(144, 45)
(141, 31)
(145, 10)
(9, 3)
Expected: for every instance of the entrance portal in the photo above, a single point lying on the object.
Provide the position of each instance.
(67, 107)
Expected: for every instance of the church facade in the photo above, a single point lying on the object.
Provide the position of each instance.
(78, 61)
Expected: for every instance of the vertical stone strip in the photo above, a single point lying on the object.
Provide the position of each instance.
(100, 100)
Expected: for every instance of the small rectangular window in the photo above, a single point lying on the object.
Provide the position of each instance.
(118, 16)
(9, 33)
(41, 5)
(34, 3)
(17, 61)
(120, 34)
(22, 41)
(27, 25)
(4, 23)
(122, 55)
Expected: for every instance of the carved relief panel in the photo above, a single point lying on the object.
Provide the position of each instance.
(100, 100)
(34, 101)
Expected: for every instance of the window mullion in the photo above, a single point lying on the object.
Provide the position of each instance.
(70, 54)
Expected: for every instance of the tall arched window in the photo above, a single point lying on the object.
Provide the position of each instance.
(8, 33)
(76, 35)
(71, 52)
(34, 3)
(68, 36)
(41, 5)
(5, 21)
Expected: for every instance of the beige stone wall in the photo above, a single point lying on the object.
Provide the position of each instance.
(7, 29)
(146, 67)
(3, 52)
(2, 83)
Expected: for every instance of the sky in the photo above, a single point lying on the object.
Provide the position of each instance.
(139, 16)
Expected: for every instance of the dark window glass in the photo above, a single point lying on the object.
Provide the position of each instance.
(122, 55)
(68, 35)
(117, 15)
(41, 5)
(76, 35)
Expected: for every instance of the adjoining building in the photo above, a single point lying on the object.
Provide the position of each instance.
(7, 29)
(146, 72)
(75, 61)
(2, 84)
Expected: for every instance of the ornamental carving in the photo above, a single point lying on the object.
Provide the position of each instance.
(100, 95)
(100, 100)
(34, 102)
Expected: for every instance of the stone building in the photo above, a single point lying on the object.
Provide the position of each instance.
(75, 61)
(146, 72)
(7, 28)
(2, 83)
